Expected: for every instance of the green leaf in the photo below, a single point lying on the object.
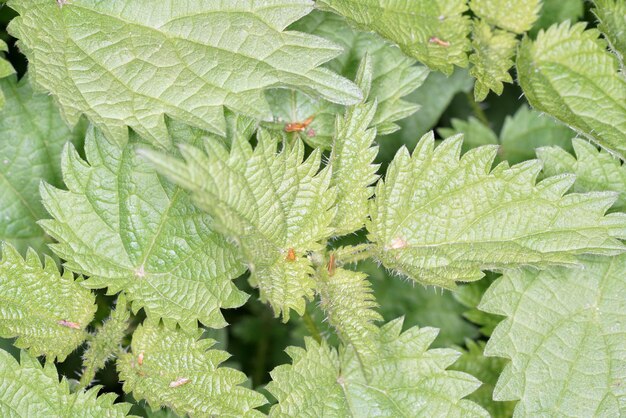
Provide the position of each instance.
(346, 297)
(470, 295)
(583, 90)
(565, 334)
(406, 380)
(27, 388)
(440, 219)
(275, 206)
(130, 231)
(612, 17)
(188, 62)
(32, 135)
(433, 32)
(175, 369)
(492, 58)
(487, 370)
(48, 312)
(106, 343)
(514, 16)
(6, 69)
(475, 134)
(594, 169)
(352, 160)
(557, 11)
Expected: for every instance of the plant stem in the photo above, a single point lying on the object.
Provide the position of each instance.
(354, 254)
(478, 111)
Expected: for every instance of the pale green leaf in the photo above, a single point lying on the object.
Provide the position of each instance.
(565, 334)
(106, 343)
(557, 11)
(438, 218)
(6, 69)
(568, 73)
(435, 32)
(32, 135)
(512, 15)
(127, 63)
(475, 133)
(129, 230)
(492, 58)
(175, 369)
(275, 206)
(347, 299)
(487, 370)
(594, 169)
(27, 390)
(406, 380)
(48, 312)
(352, 160)
(612, 17)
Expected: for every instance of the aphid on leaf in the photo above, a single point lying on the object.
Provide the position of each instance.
(291, 255)
(299, 126)
(331, 264)
(435, 40)
(179, 382)
(140, 359)
(68, 324)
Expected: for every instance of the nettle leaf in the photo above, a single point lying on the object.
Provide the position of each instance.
(565, 335)
(394, 75)
(469, 295)
(583, 90)
(557, 11)
(352, 160)
(433, 32)
(46, 311)
(274, 205)
(612, 17)
(594, 169)
(6, 69)
(321, 382)
(346, 297)
(178, 370)
(28, 389)
(492, 58)
(516, 16)
(130, 62)
(131, 231)
(106, 343)
(32, 135)
(438, 218)
(487, 370)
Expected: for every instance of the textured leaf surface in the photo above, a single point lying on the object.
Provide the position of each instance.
(557, 11)
(106, 343)
(514, 16)
(612, 17)
(130, 62)
(492, 58)
(27, 389)
(32, 135)
(6, 68)
(48, 312)
(433, 32)
(175, 369)
(594, 169)
(274, 205)
(438, 219)
(129, 230)
(407, 380)
(565, 335)
(583, 89)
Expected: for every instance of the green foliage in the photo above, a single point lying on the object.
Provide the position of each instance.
(438, 218)
(46, 311)
(132, 84)
(612, 17)
(28, 389)
(6, 69)
(32, 135)
(323, 382)
(583, 90)
(130, 231)
(555, 11)
(178, 370)
(516, 16)
(564, 331)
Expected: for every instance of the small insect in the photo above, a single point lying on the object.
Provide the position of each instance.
(291, 255)
(435, 40)
(299, 126)
(68, 324)
(140, 359)
(179, 382)
(331, 264)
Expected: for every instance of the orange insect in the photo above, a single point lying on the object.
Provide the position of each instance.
(435, 40)
(291, 255)
(299, 126)
(331, 264)
(140, 359)
(68, 324)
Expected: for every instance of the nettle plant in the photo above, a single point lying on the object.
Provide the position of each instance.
(169, 159)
